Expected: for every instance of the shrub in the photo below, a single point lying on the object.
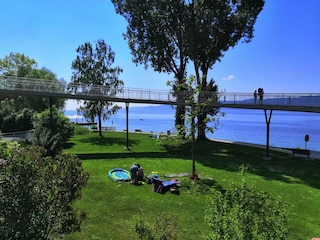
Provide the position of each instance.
(37, 193)
(245, 213)
(52, 130)
(80, 130)
(164, 227)
(24, 120)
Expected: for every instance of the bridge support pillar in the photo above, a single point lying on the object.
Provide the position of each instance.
(268, 120)
(127, 127)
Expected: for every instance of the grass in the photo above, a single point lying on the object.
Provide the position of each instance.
(112, 208)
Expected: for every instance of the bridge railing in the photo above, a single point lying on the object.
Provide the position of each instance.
(31, 84)
(279, 99)
(40, 85)
(46, 86)
(146, 94)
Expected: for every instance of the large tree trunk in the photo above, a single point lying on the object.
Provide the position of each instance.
(202, 114)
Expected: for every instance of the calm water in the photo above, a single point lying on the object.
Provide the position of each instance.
(287, 129)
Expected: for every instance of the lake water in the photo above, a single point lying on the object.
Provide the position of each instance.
(287, 129)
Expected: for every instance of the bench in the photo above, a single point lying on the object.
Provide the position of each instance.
(301, 151)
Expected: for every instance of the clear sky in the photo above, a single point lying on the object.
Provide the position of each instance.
(283, 56)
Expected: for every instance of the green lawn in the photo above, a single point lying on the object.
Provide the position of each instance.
(112, 208)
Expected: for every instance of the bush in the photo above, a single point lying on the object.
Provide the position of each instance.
(244, 213)
(24, 120)
(80, 130)
(37, 193)
(9, 123)
(51, 131)
(164, 227)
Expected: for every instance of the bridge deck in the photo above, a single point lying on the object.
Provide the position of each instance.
(15, 86)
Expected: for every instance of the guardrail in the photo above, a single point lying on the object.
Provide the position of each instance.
(276, 99)
(41, 87)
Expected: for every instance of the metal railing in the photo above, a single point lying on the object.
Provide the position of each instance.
(28, 86)
(276, 99)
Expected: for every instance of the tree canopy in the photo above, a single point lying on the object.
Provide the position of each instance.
(16, 64)
(16, 113)
(93, 73)
(202, 31)
(215, 26)
(156, 37)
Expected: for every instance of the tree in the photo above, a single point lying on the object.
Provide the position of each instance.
(156, 36)
(37, 193)
(13, 119)
(214, 27)
(93, 74)
(198, 30)
(19, 65)
(195, 105)
(40, 104)
(51, 131)
(16, 64)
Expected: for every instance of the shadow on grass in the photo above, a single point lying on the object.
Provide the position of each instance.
(203, 185)
(103, 142)
(108, 141)
(218, 155)
(106, 156)
(229, 157)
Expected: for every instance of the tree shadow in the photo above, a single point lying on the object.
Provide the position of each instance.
(122, 155)
(104, 142)
(219, 155)
(108, 141)
(230, 156)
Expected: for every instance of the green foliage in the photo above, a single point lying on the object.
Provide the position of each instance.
(52, 130)
(167, 36)
(80, 130)
(162, 227)
(40, 104)
(24, 119)
(16, 114)
(93, 74)
(16, 64)
(13, 119)
(243, 212)
(172, 141)
(8, 148)
(198, 102)
(196, 114)
(37, 193)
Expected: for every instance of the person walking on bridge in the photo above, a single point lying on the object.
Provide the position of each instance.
(260, 93)
(255, 95)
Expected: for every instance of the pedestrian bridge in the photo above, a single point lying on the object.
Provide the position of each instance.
(16, 86)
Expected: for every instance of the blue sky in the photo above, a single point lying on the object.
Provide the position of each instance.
(283, 56)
